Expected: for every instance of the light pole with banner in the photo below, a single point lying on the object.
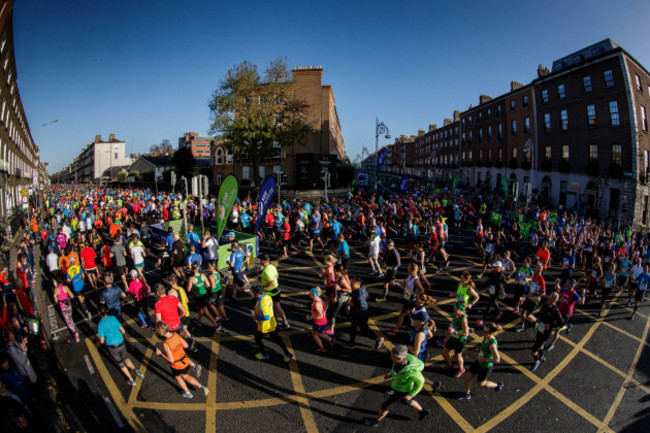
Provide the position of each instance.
(529, 147)
(380, 128)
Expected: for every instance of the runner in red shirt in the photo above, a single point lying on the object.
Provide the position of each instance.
(169, 309)
(569, 297)
(90, 267)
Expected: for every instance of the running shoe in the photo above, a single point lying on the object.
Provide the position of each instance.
(370, 422)
(76, 337)
(499, 387)
(465, 396)
(380, 299)
(535, 365)
(520, 329)
(321, 350)
(479, 276)
(423, 414)
(516, 310)
(197, 370)
(217, 328)
(568, 329)
(288, 357)
(436, 386)
(261, 356)
(206, 391)
(391, 332)
(550, 347)
(193, 347)
(459, 373)
(379, 343)
(440, 343)
(131, 382)
(390, 391)
(187, 395)
(479, 322)
(471, 331)
(143, 325)
(328, 332)
(90, 316)
(380, 275)
(373, 272)
(139, 374)
(497, 317)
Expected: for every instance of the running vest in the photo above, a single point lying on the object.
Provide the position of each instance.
(179, 358)
(217, 282)
(462, 293)
(485, 349)
(323, 320)
(457, 323)
(422, 351)
(199, 288)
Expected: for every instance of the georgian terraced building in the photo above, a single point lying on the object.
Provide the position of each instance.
(20, 166)
(578, 134)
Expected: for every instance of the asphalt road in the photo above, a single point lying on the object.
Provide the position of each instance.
(596, 379)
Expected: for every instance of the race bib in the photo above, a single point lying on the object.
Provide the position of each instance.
(492, 290)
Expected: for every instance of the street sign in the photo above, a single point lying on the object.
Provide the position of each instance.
(24, 192)
(25, 199)
(31, 191)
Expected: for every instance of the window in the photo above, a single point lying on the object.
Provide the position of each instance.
(263, 100)
(279, 100)
(228, 157)
(219, 178)
(525, 103)
(262, 170)
(470, 135)
(116, 157)
(500, 130)
(545, 95)
(480, 115)
(498, 110)
(514, 128)
(219, 159)
(616, 154)
(480, 134)
(646, 158)
(514, 153)
(638, 83)
(480, 154)
(644, 119)
(489, 133)
(560, 91)
(527, 125)
(593, 153)
(609, 78)
(547, 122)
(565, 152)
(489, 154)
(591, 114)
(246, 172)
(614, 119)
(469, 120)
(547, 152)
(564, 120)
(512, 105)
(489, 114)
(586, 81)
(500, 154)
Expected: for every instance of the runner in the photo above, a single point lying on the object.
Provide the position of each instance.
(139, 290)
(568, 298)
(482, 367)
(199, 284)
(359, 315)
(215, 301)
(456, 338)
(640, 289)
(549, 318)
(423, 330)
(236, 263)
(63, 295)
(393, 263)
(174, 353)
(319, 328)
(266, 324)
(536, 289)
(170, 310)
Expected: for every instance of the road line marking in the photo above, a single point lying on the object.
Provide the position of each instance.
(616, 328)
(89, 365)
(52, 318)
(303, 402)
(210, 410)
(118, 399)
(111, 410)
(630, 373)
(146, 359)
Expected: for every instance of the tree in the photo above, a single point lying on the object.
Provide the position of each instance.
(122, 176)
(183, 159)
(254, 114)
(164, 148)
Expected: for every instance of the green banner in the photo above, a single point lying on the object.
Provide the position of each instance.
(524, 229)
(225, 202)
(504, 186)
(454, 181)
(495, 218)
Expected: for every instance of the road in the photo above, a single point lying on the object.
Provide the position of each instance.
(597, 378)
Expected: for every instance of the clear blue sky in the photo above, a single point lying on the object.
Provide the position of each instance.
(144, 70)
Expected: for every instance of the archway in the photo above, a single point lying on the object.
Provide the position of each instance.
(546, 190)
(591, 197)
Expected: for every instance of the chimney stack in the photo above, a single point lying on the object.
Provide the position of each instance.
(420, 132)
(98, 138)
(542, 71)
(432, 127)
(514, 85)
(446, 122)
(482, 99)
(457, 115)
(111, 137)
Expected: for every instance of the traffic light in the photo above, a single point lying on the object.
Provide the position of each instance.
(284, 178)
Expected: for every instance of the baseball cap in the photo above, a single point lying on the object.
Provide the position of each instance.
(497, 263)
(230, 235)
(314, 291)
(133, 273)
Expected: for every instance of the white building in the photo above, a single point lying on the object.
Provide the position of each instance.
(96, 158)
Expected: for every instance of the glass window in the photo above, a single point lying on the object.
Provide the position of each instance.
(489, 132)
(545, 95)
(219, 160)
(638, 83)
(480, 134)
(514, 153)
(593, 152)
(614, 118)
(480, 115)
(586, 81)
(565, 151)
(219, 178)
(547, 122)
(560, 91)
(489, 113)
(500, 130)
(564, 119)
(470, 135)
(246, 172)
(514, 128)
(498, 110)
(525, 102)
(228, 157)
(527, 125)
(616, 154)
(500, 154)
(262, 170)
(644, 119)
(547, 152)
(609, 78)
(591, 114)
(646, 160)
(512, 105)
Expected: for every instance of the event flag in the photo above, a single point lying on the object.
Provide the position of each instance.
(225, 202)
(381, 157)
(403, 183)
(266, 197)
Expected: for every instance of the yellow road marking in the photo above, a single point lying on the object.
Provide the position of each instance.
(143, 368)
(124, 408)
(303, 402)
(621, 391)
(210, 411)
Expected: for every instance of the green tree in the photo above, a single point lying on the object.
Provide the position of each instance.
(184, 162)
(122, 176)
(164, 148)
(254, 113)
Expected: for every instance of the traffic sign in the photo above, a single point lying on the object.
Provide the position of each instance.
(25, 199)
(31, 191)
(24, 192)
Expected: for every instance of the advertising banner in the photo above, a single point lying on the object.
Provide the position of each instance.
(225, 202)
(266, 197)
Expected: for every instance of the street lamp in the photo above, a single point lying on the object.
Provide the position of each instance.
(380, 128)
(41, 128)
(529, 148)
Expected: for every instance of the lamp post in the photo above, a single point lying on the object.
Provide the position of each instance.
(380, 128)
(529, 148)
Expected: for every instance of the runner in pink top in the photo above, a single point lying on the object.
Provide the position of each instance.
(63, 296)
(320, 320)
(139, 290)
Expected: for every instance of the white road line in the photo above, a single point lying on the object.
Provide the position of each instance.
(52, 318)
(111, 409)
(89, 364)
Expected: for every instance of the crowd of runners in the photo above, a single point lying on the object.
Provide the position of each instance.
(94, 243)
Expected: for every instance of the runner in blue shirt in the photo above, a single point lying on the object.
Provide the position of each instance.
(236, 262)
(194, 257)
(192, 237)
(343, 251)
(314, 232)
(608, 282)
(111, 333)
(169, 241)
(638, 294)
(337, 227)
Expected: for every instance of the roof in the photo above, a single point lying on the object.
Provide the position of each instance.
(158, 161)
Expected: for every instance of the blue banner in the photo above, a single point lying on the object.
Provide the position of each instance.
(403, 183)
(266, 197)
(381, 157)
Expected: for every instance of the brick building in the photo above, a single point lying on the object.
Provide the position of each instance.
(200, 146)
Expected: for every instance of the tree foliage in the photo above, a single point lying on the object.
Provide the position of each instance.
(254, 113)
(164, 148)
(122, 176)
(183, 159)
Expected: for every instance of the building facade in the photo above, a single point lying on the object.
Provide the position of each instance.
(20, 166)
(200, 146)
(95, 159)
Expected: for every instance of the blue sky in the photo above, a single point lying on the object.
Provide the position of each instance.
(144, 70)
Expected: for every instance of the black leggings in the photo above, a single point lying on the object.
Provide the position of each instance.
(492, 303)
(360, 319)
(340, 304)
(394, 398)
(259, 335)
